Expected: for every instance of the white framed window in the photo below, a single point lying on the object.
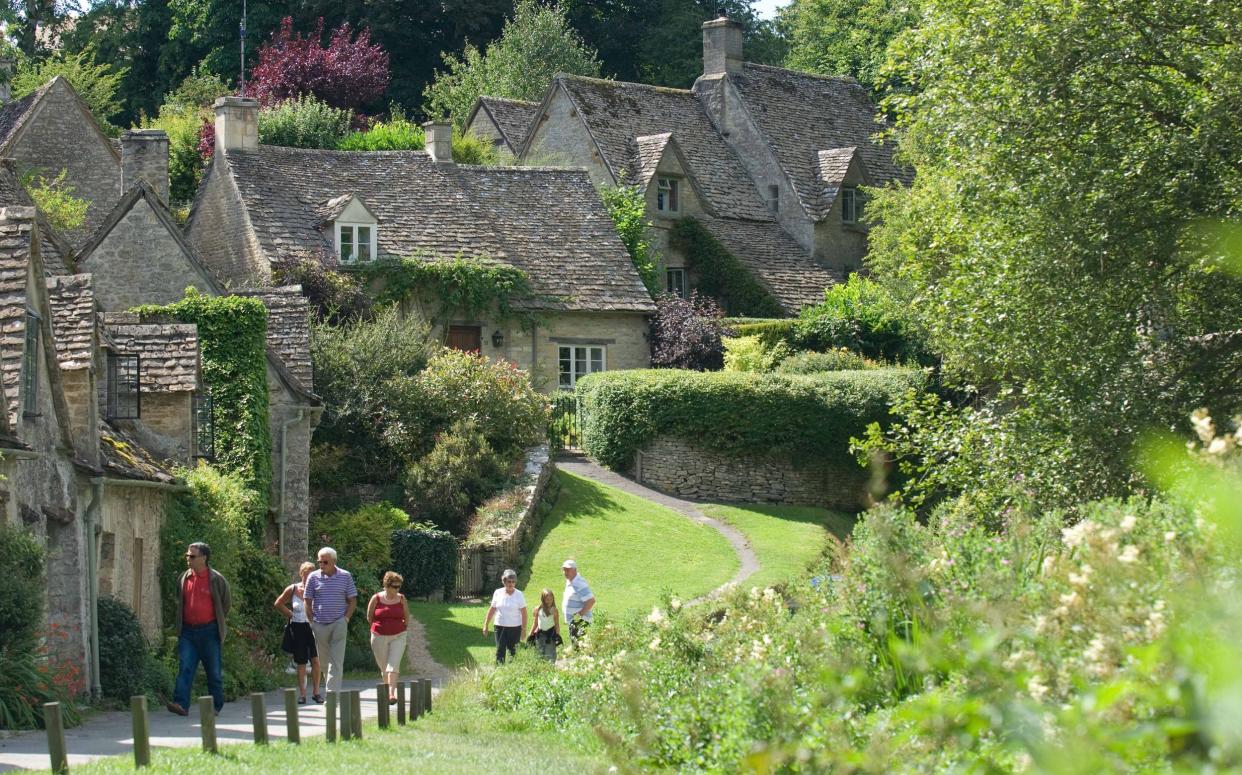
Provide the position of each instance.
(666, 195)
(355, 242)
(851, 205)
(675, 281)
(577, 361)
(774, 198)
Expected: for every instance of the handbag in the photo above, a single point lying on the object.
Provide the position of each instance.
(286, 642)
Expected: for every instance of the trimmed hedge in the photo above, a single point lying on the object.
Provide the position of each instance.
(770, 332)
(808, 417)
(426, 558)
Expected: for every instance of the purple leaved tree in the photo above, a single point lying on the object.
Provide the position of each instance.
(685, 333)
(348, 73)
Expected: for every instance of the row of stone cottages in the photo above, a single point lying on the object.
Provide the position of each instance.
(101, 406)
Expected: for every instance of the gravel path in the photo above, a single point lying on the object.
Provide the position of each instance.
(588, 469)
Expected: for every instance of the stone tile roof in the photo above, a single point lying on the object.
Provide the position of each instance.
(775, 260)
(125, 458)
(13, 114)
(288, 327)
(72, 300)
(548, 222)
(829, 173)
(616, 112)
(513, 118)
(55, 251)
(15, 227)
(646, 157)
(168, 354)
(803, 114)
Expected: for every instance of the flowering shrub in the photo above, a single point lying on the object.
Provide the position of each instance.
(749, 353)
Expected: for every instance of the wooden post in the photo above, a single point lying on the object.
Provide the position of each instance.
(142, 730)
(346, 708)
(426, 695)
(416, 699)
(330, 717)
(381, 705)
(293, 733)
(258, 717)
(207, 720)
(55, 736)
(400, 703)
(355, 698)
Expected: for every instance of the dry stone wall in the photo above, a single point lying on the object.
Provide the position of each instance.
(681, 468)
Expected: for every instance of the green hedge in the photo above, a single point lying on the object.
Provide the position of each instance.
(808, 417)
(426, 558)
(770, 332)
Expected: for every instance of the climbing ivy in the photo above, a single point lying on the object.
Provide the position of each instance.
(232, 333)
(720, 274)
(459, 288)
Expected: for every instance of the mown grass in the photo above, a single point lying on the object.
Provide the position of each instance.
(630, 550)
(786, 539)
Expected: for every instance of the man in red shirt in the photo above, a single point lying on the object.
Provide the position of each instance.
(201, 609)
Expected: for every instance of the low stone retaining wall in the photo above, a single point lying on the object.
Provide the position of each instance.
(479, 567)
(686, 470)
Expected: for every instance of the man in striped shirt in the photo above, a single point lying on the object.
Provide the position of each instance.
(331, 598)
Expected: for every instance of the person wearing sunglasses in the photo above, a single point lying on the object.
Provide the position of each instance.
(389, 617)
(331, 599)
(201, 610)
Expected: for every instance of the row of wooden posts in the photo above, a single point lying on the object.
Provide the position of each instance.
(348, 703)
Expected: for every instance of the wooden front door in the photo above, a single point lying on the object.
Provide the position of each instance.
(468, 338)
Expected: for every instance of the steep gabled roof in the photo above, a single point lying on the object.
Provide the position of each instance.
(13, 114)
(831, 168)
(168, 354)
(57, 255)
(73, 319)
(548, 222)
(329, 210)
(616, 112)
(288, 327)
(649, 149)
(802, 114)
(774, 259)
(513, 118)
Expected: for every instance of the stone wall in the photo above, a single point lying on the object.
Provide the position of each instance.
(562, 140)
(129, 551)
(624, 335)
(291, 424)
(681, 468)
(219, 233)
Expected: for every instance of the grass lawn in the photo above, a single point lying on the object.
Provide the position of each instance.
(629, 549)
(786, 539)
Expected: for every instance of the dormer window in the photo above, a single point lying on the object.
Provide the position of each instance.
(30, 366)
(851, 205)
(124, 388)
(666, 195)
(355, 242)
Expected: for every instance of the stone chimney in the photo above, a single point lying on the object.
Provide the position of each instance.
(6, 79)
(722, 46)
(237, 123)
(439, 141)
(144, 154)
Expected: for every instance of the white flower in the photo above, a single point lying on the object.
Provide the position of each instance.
(1169, 536)
(1074, 536)
(655, 643)
(1041, 623)
(1130, 554)
(675, 604)
(656, 616)
(1128, 522)
(1048, 564)
(1069, 598)
(1081, 579)
(1036, 689)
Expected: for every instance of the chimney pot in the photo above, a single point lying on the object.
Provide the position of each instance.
(439, 141)
(722, 46)
(144, 154)
(237, 123)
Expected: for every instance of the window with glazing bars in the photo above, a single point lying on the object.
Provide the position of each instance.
(124, 390)
(204, 427)
(30, 366)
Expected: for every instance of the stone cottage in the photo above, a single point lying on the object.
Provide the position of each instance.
(771, 161)
(503, 121)
(259, 205)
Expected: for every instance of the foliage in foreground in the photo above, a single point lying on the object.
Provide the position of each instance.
(55, 200)
(95, 82)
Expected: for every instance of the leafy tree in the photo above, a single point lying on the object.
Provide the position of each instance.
(1061, 152)
(56, 201)
(186, 110)
(845, 37)
(537, 42)
(304, 122)
(628, 210)
(32, 24)
(347, 73)
(687, 333)
(95, 82)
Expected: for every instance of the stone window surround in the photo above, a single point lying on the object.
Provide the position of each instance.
(667, 186)
(851, 204)
(572, 373)
(30, 365)
(353, 227)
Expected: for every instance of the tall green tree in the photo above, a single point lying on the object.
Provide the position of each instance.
(845, 37)
(95, 82)
(1064, 149)
(535, 44)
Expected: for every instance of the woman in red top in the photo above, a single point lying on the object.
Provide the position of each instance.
(388, 614)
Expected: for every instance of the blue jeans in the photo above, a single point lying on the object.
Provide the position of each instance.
(197, 644)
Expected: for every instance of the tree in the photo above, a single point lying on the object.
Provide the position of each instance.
(845, 37)
(687, 334)
(1061, 152)
(96, 83)
(185, 112)
(347, 73)
(537, 42)
(54, 198)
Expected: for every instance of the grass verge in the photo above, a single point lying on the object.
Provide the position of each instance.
(786, 539)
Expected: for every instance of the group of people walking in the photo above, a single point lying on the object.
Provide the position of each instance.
(508, 609)
(318, 608)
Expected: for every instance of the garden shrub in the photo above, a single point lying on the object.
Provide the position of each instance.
(426, 557)
(861, 315)
(22, 594)
(335, 296)
(362, 537)
(396, 134)
(124, 655)
(772, 332)
(303, 122)
(687, 334)
(833, 360)
(807, 417)
(751, 353)
(720, 274)
(468, 149)
(461, 471)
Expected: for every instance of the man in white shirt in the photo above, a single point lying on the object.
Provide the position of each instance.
(579, 601)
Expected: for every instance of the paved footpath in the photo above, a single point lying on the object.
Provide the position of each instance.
(588, 469)
(111, 733)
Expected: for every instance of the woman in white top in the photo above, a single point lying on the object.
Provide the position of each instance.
(299, 640)
(546, 632)
(509, 609)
